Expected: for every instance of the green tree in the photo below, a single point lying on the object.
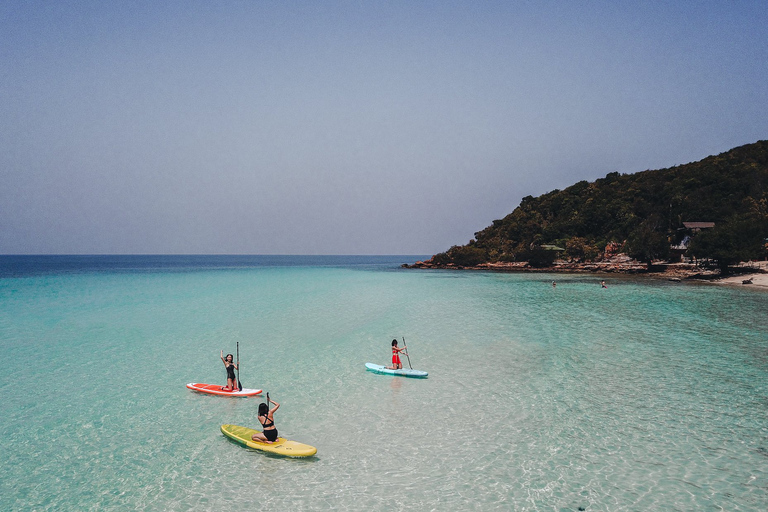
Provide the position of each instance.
(647, 242)
(580, 248)
(538, 257)
(732, 242)
(467, 256)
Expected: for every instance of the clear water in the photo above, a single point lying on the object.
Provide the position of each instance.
(643, 396)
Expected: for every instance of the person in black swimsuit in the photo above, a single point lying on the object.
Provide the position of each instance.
(267, 420)
(231, 367)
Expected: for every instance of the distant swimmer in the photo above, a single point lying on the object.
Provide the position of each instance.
(602, 284)
(554, 284)
(396, 364)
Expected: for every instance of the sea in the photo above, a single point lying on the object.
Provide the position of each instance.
(647, 395)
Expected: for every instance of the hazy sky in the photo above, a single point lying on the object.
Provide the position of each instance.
(360, 127)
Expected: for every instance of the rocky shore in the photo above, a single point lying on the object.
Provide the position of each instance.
(757, 272)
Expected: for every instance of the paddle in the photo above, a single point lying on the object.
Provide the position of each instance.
(238, 367)
(406, 353)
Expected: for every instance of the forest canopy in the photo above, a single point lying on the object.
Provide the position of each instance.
(641, 214)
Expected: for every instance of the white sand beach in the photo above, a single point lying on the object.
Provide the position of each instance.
(757, 279)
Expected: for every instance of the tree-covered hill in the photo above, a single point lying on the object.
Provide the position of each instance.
(640, 214)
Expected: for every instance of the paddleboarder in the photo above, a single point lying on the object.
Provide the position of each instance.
(396, 364)
(267, 420)
(231, 367)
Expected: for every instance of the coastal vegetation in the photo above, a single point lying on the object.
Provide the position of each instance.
(643, 215)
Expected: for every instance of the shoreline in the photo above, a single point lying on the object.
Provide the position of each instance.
(758, 280)
(756, 273)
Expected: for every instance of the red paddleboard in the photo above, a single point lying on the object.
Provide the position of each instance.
(216, 389)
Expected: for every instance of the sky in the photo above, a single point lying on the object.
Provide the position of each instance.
(349, 127)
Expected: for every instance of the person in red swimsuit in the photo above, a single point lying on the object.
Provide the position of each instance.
(396, 364)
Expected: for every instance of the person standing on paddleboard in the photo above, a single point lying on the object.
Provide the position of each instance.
(267, 420)
(396, 364)
(231, 367)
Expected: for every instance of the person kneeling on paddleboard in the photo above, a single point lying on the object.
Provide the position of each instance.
(267, 421)
(231, 367)
(396, 364)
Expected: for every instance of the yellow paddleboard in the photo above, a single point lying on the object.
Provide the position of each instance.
(280, 447)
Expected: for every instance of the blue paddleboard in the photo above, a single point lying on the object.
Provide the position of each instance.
(405, 372)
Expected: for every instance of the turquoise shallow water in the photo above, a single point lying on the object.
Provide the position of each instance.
(643, 396)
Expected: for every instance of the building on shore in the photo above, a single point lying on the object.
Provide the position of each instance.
(677, 252)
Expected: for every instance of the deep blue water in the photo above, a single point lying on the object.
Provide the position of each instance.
(36, 265)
